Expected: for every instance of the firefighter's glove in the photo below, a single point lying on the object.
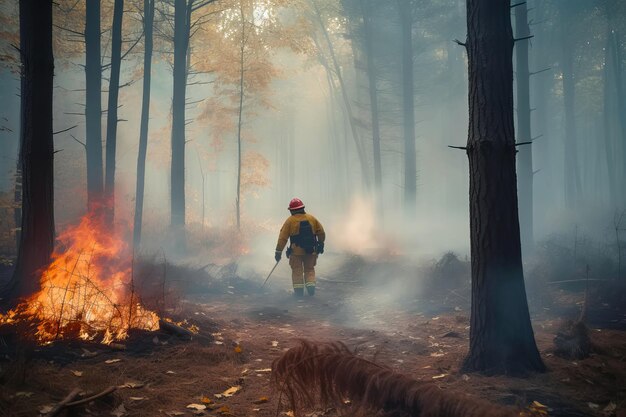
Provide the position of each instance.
(277, 256)
(320, 247)
(288, 252)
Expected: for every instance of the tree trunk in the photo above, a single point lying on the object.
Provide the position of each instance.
(501, 335)
(36, 148)
(148, 22)
(114, 86)
(408, 100)
(373, 92)
(608, 113)
(525, 157)
(239, 120)
(573, 187)
(93, 105)
(621, 106)
(346, 100)
(542, 85)
(182, 15)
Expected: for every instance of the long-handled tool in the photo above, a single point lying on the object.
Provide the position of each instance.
(269, 275)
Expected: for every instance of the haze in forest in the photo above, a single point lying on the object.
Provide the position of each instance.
(297, 137)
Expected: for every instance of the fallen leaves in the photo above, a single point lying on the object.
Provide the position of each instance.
(197, 407)
(538, 409)
(77, 373)
(229, 392)
(238, 349)
(110, 361)
(132, 384)
(261, 400)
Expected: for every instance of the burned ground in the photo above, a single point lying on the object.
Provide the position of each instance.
(242, 330)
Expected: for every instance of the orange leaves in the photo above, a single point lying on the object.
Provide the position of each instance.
(254, 172)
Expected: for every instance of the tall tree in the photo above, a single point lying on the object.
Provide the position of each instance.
(408, 94)
(93, 105)
(525, 157)
(242, 63)
(37, 148)
(148, 30)
(182, 23)
(336, 68)
(183, 11)
(114, 87)
(501, 335)
(366, 8)
(573, 186)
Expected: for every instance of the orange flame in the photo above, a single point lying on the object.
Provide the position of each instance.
(87, 290)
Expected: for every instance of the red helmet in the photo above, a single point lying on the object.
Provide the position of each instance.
(296, 204)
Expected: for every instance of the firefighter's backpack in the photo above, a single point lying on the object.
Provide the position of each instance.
(305, 238)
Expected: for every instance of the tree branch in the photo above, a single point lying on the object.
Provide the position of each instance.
(82, 143)
(64, 130)
(458, 42)
(540, 71)
(523, 38)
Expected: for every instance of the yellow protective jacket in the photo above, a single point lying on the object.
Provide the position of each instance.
(291, 227)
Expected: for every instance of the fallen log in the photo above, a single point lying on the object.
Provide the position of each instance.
(93, 397)
(60, 406)
(169, 327)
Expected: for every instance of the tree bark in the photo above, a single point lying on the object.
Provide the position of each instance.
(148, 22)
(408, 100)
(114, 86)
(93, 105)
(36, 148)
(501, 335)
(182, 16)
(525, 156)
(573, 187)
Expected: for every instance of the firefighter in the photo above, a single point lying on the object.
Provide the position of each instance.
(307, 242)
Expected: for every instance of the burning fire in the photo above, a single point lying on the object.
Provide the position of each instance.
(87, 291)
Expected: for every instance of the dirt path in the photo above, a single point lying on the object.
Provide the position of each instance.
(242, 331)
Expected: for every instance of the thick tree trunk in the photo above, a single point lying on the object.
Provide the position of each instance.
(36, 148)
(525, 157)
(373, 93)
(114, 86)
(148, 22)
(408, 100)
(573, 187)
(93, 105)
(182, 15)
(501, 336)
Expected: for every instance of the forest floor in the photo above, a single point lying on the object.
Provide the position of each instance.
(242, 330)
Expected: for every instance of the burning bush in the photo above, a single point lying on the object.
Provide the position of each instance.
(88, 290)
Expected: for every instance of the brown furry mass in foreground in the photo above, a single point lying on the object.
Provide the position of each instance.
(329, 374)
